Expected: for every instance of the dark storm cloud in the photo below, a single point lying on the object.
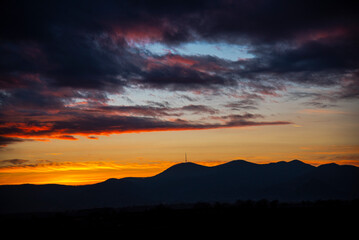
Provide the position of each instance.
(198, 109)
(154, 111)
(104, 125)
(85, 45)
(181, 78)
(261, 20)
(4, 141)
(314, 62)
(72, 60)
(350, 86)
(137, 110)
(319, 104)
(30, 99)
(13, 161)
(248, 104)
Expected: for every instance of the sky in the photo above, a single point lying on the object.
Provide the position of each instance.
(91, 90)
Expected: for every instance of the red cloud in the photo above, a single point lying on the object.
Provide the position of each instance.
(321, 35)
(139, 33)
(200, 64)
(88, 126)
(170, 60)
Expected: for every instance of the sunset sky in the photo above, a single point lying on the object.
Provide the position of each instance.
(91, 90)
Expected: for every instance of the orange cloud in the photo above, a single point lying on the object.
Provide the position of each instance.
(28, 128)
(88, 126)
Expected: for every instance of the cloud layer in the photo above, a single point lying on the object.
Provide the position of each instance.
(61, 60)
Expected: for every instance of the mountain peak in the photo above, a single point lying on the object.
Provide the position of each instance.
(241, 161)
(329, 165)
(297, 162)
(238, 162)
(294, 165)
(183, 169)
(185, 165)
(294, 162)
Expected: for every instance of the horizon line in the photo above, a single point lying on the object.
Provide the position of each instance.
(200, 163)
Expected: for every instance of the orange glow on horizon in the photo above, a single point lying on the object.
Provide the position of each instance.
(83, 173)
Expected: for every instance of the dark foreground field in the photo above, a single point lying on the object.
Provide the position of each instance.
(254, 217)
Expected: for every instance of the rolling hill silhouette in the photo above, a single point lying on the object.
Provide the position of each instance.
(190, 182)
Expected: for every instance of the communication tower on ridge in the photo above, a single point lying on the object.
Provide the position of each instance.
(185, 157)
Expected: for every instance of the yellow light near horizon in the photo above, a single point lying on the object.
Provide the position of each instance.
(90, 172)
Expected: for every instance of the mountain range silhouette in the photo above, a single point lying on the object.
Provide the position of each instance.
(189, 183)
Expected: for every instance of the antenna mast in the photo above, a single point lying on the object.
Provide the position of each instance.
(185, 157)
